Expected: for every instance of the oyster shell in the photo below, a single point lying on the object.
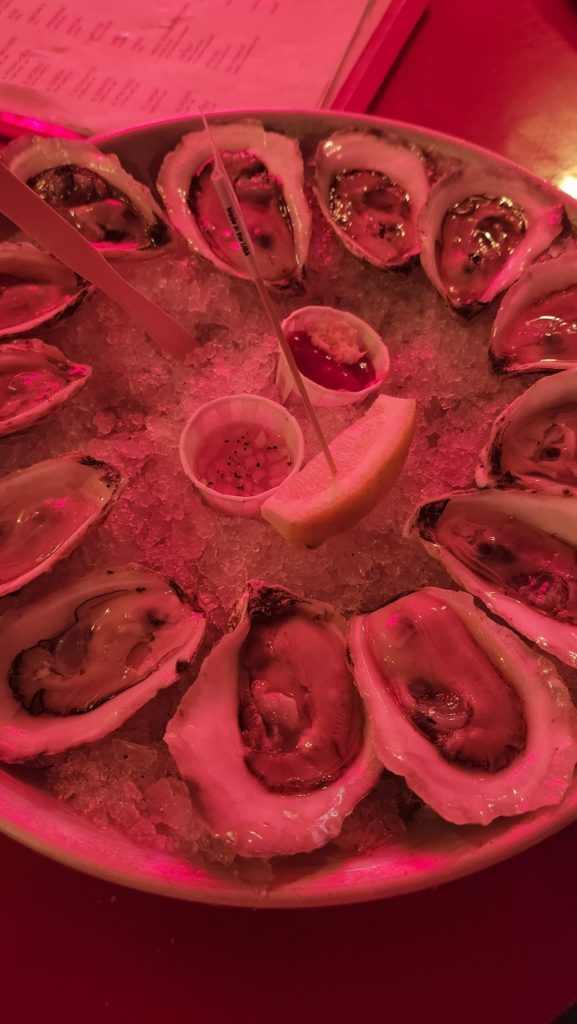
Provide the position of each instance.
(92, 190)
(75, 665)
(35, 288)
(266, 170)
(536, 324)
(371, 188)
(273, 735)
(46, 510)
(478, 725)
(479, 230)
(533, 442)
(35, 379)
(515, 550)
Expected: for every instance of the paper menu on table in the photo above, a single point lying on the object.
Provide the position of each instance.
(126, 62)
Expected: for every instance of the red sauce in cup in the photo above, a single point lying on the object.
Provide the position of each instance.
(323, 369)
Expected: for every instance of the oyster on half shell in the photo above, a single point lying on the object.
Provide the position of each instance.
(517, 552)
(533, 442)
(478, 725)
(266, 170)
(93, 192)
(371, 188)
(273, 735)
(35, 288)
(536, 324)
(75, 665)
(480, 228)
(35, 379)
(46, 510)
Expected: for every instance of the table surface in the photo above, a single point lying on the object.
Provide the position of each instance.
(498, 946)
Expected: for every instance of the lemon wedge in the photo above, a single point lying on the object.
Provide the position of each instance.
(369, 455)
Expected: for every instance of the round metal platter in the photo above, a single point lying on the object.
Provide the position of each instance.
(430, 854)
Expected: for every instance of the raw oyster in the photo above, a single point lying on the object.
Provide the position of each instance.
(273, 735)
(34, 288)
(46, 510)
(34, 380)
(75, 665)
(515, 550)
(477, 724)
(480, 228)
(371, 188)
(93, 191)
(533, 442)
(266, 170)
(536, 324)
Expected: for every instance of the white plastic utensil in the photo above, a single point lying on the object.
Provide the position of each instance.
(42, 223)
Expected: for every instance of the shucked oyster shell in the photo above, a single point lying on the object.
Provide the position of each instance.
(533, 442)
(477, 724)
(93, 191)
(35, 379)
(515, 550)
(371, 188)
(479, 230)
(266, 170)
(273, 735)
(75, 665)
(35, 288)
(536, 324)
(46, 510)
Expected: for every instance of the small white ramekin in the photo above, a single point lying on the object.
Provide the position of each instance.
(238, 409)
(303, 320)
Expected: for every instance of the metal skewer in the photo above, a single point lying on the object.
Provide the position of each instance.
(231, 206)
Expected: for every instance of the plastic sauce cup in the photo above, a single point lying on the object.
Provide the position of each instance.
(304, 320)
(238, 409)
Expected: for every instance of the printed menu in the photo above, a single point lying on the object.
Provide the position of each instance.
(120, 62)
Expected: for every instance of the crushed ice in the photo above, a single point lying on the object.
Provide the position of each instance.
(131, 414)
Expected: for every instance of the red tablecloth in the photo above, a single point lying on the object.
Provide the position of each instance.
(497, 947)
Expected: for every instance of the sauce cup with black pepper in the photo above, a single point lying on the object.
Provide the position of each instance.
(237, 451)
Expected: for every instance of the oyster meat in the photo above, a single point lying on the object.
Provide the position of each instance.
(480, 228)
(75, 665)
(35, 379)
(371, 187)
(266, 170)
(92, 191)
(273, 735)
(46, 510)
(478, 725)
(515, 550)
(35, 288)
(533, 442)
(536, 324)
